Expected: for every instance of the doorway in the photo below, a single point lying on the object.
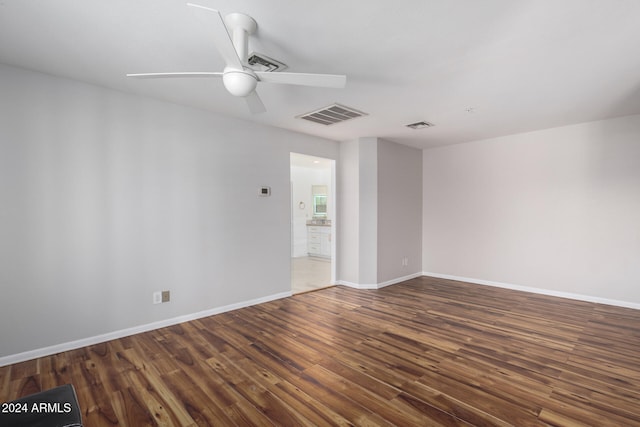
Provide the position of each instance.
(313, 245)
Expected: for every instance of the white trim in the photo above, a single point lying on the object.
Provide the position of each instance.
(72, 345)
(399, 279)
(568, 295)
(357, 285)
(379, 285)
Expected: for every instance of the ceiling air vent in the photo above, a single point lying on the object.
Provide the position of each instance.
(332, 114)
(260, 62)
(420, 125)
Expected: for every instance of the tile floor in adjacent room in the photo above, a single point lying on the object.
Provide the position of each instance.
(310, 273)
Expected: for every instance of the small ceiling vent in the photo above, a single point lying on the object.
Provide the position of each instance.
(332, 114)
(420, 125)
(260, 62)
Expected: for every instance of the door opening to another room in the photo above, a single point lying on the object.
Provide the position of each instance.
(312, 223)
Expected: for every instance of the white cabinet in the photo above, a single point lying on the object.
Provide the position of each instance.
(319, 240)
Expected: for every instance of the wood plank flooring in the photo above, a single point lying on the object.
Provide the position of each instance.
(426, 352)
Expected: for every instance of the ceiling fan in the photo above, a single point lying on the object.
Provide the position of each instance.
(237, 77)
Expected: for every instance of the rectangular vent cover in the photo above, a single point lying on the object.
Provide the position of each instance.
(420, 125)
(332, 114)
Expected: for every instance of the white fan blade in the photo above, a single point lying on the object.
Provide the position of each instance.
(303, 79)
(255, 103)
(214, 21)
(204, 74)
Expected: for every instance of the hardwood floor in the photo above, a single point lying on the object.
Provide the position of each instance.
(424, 352)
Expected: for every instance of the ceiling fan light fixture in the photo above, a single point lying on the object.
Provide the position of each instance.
(239, 83)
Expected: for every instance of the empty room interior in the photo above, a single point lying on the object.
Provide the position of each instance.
(329, 213)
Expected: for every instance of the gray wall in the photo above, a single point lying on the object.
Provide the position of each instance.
(399, 210)
(380, 212)
(368, 218)
(108, 197)
(557, 209)
(348, 210)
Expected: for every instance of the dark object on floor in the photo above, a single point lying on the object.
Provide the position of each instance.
(57, 407)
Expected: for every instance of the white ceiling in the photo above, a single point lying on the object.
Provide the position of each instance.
(520, 64)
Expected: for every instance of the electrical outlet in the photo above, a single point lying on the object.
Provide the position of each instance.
(157, 297)
(265, 191)
(166, 296)
(405, 261)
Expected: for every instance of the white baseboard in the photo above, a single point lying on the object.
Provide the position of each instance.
(579, 297)
(379, 285)
(72, 345)
(356, 285)
(399, 279)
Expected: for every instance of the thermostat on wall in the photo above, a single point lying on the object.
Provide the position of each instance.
(265, 191)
